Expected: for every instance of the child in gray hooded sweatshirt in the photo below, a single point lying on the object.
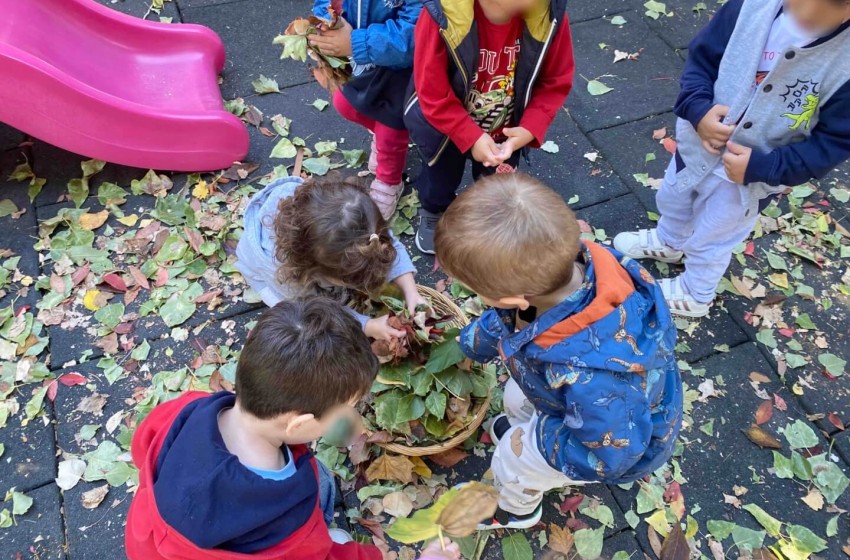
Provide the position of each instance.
(764, 103)
(322, 236)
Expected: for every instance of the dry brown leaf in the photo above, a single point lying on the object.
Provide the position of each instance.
(659, 133)
(675, 546)
(449, 458)
(764, 412)
(716, 550)
(739, 490)
(654, 540)
(561, 539)
(94, 497)
(474, 503)
(397, 504)
(390, 467)
(516, 441)
(741, 287)
(761, 438)
(763, 554)
(92, 221)
(732, 501)
(759, 377)
(814, 499)
(92, 404)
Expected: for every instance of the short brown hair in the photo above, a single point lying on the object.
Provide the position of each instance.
(331, 230)
(508, 235)
(305, 356)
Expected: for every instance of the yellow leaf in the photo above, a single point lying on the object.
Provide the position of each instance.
(796, 389)
(420, 468)
(201, 190)
(693, 527)
(130, 220)
(814, 499)
(91, 221)
(390, 467)
(658, 521)
(780, 279)
(90, 300)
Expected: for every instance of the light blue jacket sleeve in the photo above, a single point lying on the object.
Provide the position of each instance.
(402, 264)
(389, 43)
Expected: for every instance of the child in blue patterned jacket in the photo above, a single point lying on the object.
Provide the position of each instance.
(595, 393)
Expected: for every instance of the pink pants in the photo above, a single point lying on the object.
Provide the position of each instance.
(391, 142)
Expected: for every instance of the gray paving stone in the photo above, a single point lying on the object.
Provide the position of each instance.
(641, 88)
(713, 464)
(247, 29)
(140, 8)
(29, 460)
(618, 214)
(94, 534)
(583, 11)
(39, 533)
(19, 234)
(9, 137)
(683, 23)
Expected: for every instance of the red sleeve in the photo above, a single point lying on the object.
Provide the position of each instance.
(441, 107)
(552, 86)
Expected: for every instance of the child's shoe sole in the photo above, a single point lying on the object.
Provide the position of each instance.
(506, 520)
(640, 245)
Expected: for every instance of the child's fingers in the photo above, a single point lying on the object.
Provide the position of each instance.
(709, 148)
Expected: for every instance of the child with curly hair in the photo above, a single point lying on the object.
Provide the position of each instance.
(322, 237)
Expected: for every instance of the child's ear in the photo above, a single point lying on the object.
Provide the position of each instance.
(515, 301)
(295, 425)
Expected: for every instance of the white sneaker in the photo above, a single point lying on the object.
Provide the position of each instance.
(644, 244)
(679, 301)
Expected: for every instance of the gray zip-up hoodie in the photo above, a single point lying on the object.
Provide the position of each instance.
(255, 252)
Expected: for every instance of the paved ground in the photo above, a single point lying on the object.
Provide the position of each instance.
(774, 344)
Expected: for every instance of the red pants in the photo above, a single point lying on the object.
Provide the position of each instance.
(391, 142)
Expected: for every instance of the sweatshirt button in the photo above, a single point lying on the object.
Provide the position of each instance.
(790, 54)
(767, 88)
(748, 124)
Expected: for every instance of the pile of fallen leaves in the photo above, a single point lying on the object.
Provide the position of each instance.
(426, 391)
(330, 71)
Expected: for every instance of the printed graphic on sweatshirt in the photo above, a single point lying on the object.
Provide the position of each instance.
(491, 101)
(802, 101)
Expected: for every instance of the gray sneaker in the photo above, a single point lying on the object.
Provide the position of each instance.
(425, 231)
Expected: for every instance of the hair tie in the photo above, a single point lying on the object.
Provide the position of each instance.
(373, 237)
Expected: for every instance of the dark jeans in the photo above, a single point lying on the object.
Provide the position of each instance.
(437, 184)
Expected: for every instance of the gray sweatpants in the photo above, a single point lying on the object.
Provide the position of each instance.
(520, 472)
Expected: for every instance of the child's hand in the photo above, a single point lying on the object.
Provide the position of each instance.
(413, 301)
(486, 151)
(713, 133)
(334, 42)
(735, 161)
(434, 552)
(378, 329)
(518, 138)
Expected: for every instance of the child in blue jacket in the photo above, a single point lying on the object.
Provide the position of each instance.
(595, 393)
(377, 36)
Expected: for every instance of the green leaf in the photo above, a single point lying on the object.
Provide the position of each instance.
(21, 503)
(177, 309)
(656, 7)
(832, 364)
(35, 187)
(795, 361)
(550, 147)
(775, 261)
(22, 172)
(800, 466)
(78, 190)
(294, 46)
(422, 525)
(650, 497)
(172, 249)
(595, 87)
(421, 383)
(618, 20)
(354, 158)
(444, 355)
(120, 473)
(455, 381)
(110, 193)
(436, 404)
(720, 529)
(782, 466)
(5, 519)
(589, 542)
(841, 195)
(747, 539)
(7, 208)
(325, 148)
(765, 336)
(805, 322)
(34, 405)
(767, 521)
(317, 166)
(648, 157)
(92, 167)
(100, 461)
(112, 370)
(805, 540)
(264, 85)
(516, 547)
(394, 409)
(284, 149)
(832, 524)
(632, 519)
(828, 477)
(320, 104)
(708, 428)
(601, 513)
(802, 191)
(110, 315)
(88, 431)
(800, 435)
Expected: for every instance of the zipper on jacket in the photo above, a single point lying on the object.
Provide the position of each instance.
(439, 151)
(359, 10)
(411, 102)
(540, 60)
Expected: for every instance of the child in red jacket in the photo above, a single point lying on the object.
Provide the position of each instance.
(509, 70)
(227, 476)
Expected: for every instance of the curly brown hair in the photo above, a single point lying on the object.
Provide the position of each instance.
(331, 232)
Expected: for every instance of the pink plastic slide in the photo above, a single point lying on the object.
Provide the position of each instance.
(114, 87)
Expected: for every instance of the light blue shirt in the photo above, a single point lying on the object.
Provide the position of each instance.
(282, 474)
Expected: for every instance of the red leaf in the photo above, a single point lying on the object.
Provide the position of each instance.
(359, 452)
(194, 237)
(779, 403)
(576, 524)
(787, 332)
(124, 328)
(80, 274)
(52, 388)
(750, 249)
(835, 420)
(204, 298)
(449, 458)
(675, 546)
(115, 281)
(673, 492)
(571, 503)
(669, 145)
(485, 438)
(764, 412)
(161, 277)
(71, 379)
(140, 278)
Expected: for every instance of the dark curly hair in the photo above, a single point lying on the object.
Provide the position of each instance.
(330, 231)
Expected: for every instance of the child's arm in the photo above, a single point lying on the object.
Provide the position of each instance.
(812, 158)
(552, 86)
(389, 43)
(441, 107)
(480, 339)
(696, 96)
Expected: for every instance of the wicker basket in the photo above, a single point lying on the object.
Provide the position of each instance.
(444, 306)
